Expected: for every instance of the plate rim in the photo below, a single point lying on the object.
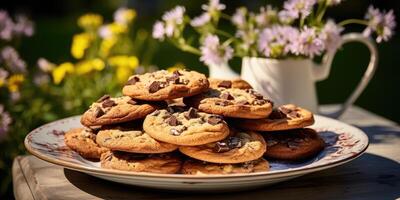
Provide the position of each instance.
(110, 172)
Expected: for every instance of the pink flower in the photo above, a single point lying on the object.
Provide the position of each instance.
(23, 26)
(277, 41)
(298, 8)
(213, 6)
(3, 75)
(158, 30)
(201, 20)
(5, 121)
(308, 43)
(266, 16)
(213, 53)
(330, 33)
(239, 18)
(11, 59)
(382, 23)
(6, 26)
(45, 65)
(172, 19)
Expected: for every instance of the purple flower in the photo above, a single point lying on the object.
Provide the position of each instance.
(298, 8)
(213, 6)
(308, 43)
(3, 76)
(213, 53)
(382, 23)
(201, 20)
(172, 19)
(239, 18)
(277, 40)
(11, 59)
(330, 33)
(5, 121)
(23, 26)
(41, 79)
(266, 16)
(158, 30)
(6, 26)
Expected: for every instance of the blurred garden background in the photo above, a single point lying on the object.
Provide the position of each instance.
(38, 94)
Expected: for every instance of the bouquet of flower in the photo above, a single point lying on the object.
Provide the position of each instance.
(299, 29)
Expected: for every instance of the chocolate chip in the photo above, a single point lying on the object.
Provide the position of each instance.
(276, 114)
(175, 132)
(155, 86)
(172, 121)
(174, 78)
(221, 147)
(191, 113)
(104, 97)
(234, 142)
(289, 112)
(222, 103)
(293, 145)
(173, 109)
(226, 96)
(176, 73)
(258, 96)
(108, 157)
(98, 112)
(242, 102)
(214, 120)
(132, 81)
(272, 142)
(132, 102)
(108, 103)
(259, 102)
(225, 84)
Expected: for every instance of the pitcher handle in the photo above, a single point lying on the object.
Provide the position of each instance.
(322, 73)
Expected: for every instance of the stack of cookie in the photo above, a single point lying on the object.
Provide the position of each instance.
(181, 122)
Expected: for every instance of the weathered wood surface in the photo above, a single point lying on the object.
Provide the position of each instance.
(375, 175)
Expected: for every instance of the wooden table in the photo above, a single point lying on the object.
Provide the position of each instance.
(375, 175)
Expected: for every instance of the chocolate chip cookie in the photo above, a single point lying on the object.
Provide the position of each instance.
(108, 110)
(236, 83)
(182, 126)
(164, 85)
(237, 148)
(297, 144)
(196, 167)
(131, 139)
(284, 117)
(83, 141)
(232, 102)
(154, 163)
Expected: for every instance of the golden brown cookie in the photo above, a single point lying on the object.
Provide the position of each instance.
(155, 163)
(297, 144)
(232, 102)
(131, 139)
(164, 85)
(236, 83)
(83, 141)
(237, 148)
(181, 126)
(109, 110)
(196, 167)
(284, 117)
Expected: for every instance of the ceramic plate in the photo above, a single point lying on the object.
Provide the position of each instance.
(344, 143)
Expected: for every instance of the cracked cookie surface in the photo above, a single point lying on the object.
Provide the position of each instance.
(108, 110)
(297, 144)
(83, 141)
(285, 117)
(232, 102)
(182, 126)
(164, 85)
(167, 163)
(239, 147)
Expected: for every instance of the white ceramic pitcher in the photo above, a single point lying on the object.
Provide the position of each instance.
(293, 80)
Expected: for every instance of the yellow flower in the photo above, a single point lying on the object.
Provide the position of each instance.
(106, 45)
(124, 16)
(80, 43)
(124, 61)
(60, 71)
(124, 66)
(14, 82)
(89, 65)
(177, 66)
(113, 30)
(90, 21)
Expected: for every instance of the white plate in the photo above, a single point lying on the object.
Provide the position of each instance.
(344, 143)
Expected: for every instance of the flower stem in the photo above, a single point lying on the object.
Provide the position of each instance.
(223, 33)
(186, 48)
(321, 11)
(353, 21)
(225, 16)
